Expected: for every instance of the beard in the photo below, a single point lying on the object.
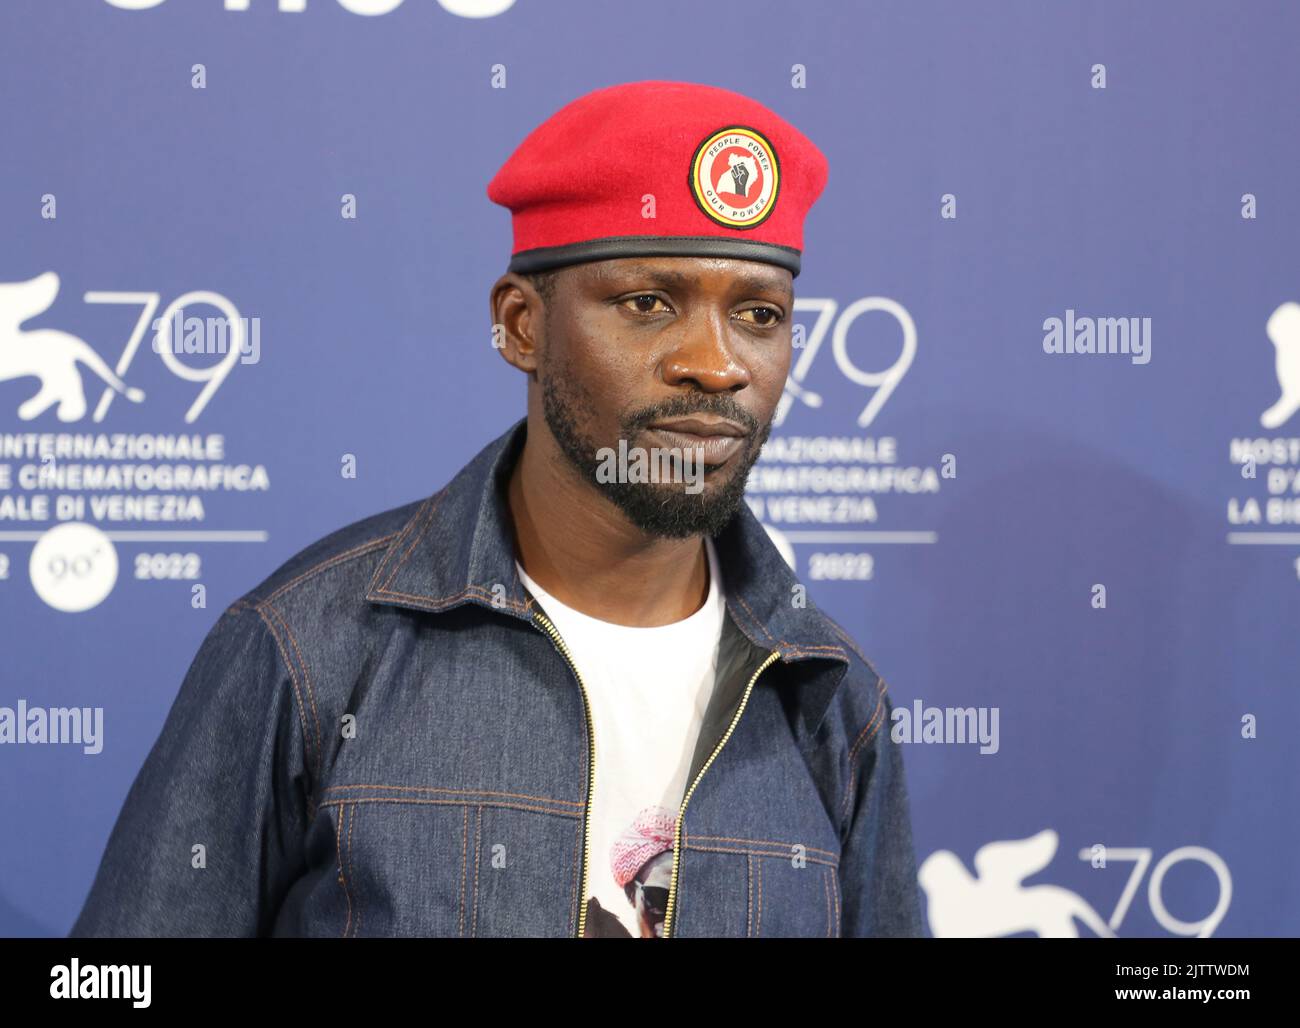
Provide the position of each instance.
(663, 509)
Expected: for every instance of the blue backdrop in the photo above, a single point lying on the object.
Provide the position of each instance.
(1100, 550)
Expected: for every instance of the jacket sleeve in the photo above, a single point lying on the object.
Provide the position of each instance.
(878, 879)
(210, 836)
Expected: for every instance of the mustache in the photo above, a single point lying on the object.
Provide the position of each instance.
(718, 405)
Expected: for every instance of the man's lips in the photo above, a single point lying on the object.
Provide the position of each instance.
(699, 426)
(716, 441)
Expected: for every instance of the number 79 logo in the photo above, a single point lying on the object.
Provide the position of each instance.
(1141, 856)
(884, 381)
(164, 343)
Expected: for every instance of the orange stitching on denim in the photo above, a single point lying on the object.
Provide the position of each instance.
(758, 928)
(749, 620)
(799, 649)
(464, 863)
(791, 649)
(472, 590)
(457, 792)
(826, 890)
(577, 875)
(848, 639)
(329, 562)
(477, 590)
(681, 870)
(863, 738)
(426, 519)
(871, 726)
(793, 653)
(293, 678)
(486, 593)
(338, 848)
(757, 621)
(478, 860)
(835, 894)
(803, 649)
(749, 899)
(397, 542)
(754, 617)
(407, 529)
(750, 617)
(764, 842)
(306, 677)
(446, 803)
(351, 825)
(755, 851)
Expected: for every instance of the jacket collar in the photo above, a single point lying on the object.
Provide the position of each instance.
(459, 548)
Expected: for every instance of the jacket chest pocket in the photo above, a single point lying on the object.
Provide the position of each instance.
(793, 895)
(413, 861)
(758, 888)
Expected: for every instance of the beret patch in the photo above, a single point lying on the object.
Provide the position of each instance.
(735, 177)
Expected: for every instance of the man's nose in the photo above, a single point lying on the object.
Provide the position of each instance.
(704, 355)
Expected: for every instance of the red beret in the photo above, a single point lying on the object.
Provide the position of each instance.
(729, 179)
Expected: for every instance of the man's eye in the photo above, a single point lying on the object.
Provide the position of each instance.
(764, 317)
(645, 303)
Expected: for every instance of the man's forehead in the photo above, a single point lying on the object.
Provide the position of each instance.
(689, 272)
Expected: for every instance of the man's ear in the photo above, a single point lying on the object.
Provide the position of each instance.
(517, 310)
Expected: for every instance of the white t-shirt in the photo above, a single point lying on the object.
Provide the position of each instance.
(648, 689)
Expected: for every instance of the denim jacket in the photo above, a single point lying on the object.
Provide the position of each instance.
(388, 738)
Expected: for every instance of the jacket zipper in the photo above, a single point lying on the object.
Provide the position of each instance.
(551, 630)
(677, 832)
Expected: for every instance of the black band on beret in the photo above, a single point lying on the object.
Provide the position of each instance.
(544, 258)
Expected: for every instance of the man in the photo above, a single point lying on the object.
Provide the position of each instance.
(561, 696)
